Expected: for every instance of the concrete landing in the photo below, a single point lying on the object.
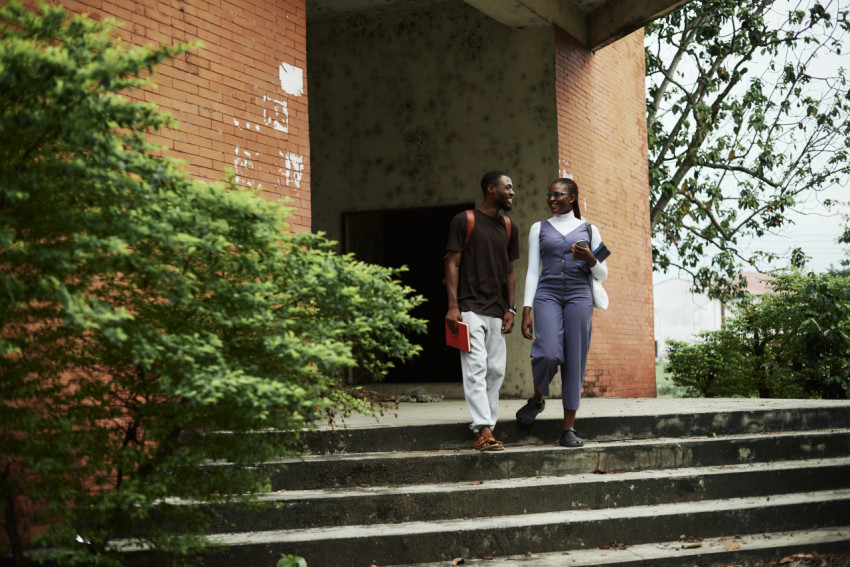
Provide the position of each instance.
(454, 411)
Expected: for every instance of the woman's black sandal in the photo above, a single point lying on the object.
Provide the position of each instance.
(569, 439)
(527, 413)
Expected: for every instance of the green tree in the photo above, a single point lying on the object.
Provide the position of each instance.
(141, 311)
(794, 343)
(845, 239)
(744, 121)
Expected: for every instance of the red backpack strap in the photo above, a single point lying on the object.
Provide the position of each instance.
(470, 224)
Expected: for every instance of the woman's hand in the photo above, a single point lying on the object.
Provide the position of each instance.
(527, 326)
(583, 253)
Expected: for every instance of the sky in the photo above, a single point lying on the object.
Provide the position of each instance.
(815, 230)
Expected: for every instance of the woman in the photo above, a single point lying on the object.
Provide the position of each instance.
(557, 286)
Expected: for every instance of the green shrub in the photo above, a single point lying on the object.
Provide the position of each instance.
(141, 310)
(713, 367)
(794, 343)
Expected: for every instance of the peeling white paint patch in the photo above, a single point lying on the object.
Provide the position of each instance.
(293, 169)
(242, 164)
(247, 125)
(291, 79)
(276, 114)
(563, 169)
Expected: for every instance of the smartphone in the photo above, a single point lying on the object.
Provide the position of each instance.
(583, 244)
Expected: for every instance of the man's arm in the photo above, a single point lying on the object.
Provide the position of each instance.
(452, 267)
(508, 319)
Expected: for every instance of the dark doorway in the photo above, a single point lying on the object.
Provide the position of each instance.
(415, 238)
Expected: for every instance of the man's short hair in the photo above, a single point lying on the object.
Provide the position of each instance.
(491, 178)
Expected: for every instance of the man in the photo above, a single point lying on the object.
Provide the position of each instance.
(480, 285)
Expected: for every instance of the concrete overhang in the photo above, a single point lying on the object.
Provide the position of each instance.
(594, 23)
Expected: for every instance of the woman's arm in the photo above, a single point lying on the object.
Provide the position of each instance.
(600, 270)
(532, 274)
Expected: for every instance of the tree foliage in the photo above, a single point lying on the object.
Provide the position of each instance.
(744, 120)
(141, 311)
(794, 343)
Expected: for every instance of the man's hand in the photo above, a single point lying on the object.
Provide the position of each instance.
(527, 326)
(507, 323)
(452, 317)
(452, 266)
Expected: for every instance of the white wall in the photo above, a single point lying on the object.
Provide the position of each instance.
(681, 314)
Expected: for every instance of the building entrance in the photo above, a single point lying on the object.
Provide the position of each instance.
(415, 238)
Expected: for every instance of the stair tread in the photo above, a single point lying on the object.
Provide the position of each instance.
(449, 410)
(543, 481)
(674, 552)
(509, 449)
(526, 520)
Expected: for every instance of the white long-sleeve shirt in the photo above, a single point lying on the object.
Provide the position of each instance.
(564, 224)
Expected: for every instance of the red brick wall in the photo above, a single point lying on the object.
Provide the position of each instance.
(602, 143)
(233, 107)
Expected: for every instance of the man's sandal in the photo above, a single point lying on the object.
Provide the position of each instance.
(484, 441)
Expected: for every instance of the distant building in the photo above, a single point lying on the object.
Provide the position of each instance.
(682, 314)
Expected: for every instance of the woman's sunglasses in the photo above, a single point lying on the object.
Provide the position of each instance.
(556, 194)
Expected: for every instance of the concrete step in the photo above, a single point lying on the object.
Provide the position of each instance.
(421, 541)
(425, 467)
(726, 550)
(687, 418)
(529, 495)
(409, 490)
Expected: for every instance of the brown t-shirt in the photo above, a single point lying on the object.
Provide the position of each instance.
(483, 279)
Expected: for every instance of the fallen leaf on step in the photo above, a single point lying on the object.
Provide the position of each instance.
(457, 560)
(527, 554)
(692, 546)
(475, 483)
(487, 557)
(731, 545)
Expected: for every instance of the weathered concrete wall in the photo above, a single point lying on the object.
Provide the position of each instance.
(410, 108)
(240, 99)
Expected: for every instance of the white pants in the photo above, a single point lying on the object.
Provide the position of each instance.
(483, 368)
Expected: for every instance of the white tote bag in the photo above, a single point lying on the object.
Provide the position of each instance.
(600, 296)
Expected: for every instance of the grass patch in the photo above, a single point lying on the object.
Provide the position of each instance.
(664, 386)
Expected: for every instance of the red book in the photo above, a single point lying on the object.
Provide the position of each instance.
(461, 339)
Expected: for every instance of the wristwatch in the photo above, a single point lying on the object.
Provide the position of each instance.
(512, 309)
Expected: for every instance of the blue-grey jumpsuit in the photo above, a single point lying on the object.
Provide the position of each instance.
(563, 316)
